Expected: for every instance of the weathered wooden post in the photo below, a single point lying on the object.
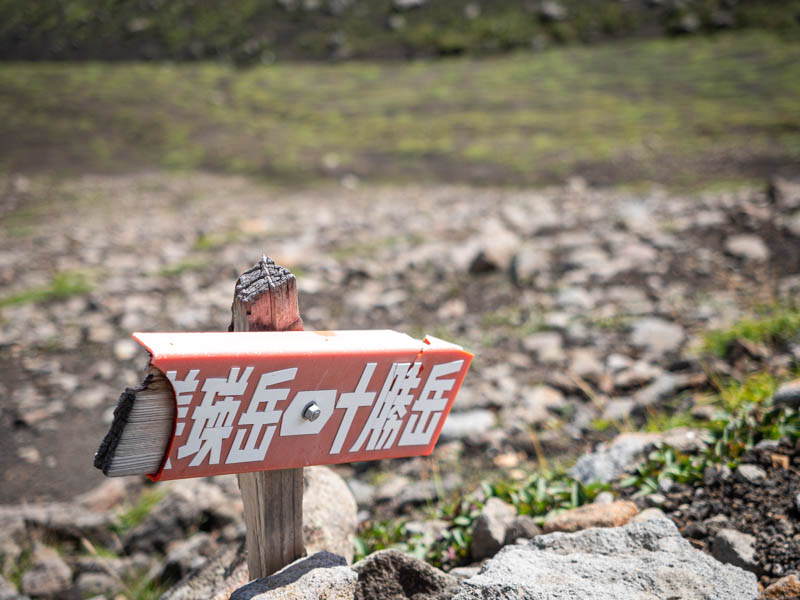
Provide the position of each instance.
(267, 399)
(265, 299)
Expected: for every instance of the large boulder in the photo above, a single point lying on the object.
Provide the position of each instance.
(637, 561)
(330, 513)
(322, 576)
(392, 575)
(329, 523)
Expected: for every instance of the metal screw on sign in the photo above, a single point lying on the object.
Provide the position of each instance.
(312, 411)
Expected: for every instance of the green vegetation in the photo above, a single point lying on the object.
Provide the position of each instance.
(686, 112)
(213, 241)
(134, 514)
(745, 416)
(23, 562)
(63, 285)
(188, 264)
(253, 31)
(140, 587)
(776, 326)
(538, 496)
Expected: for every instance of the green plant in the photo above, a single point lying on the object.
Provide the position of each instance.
(664, 462)
(538, 496)
(23, 562)
(63, 285)
(187, 264)
(776, 326)
(134, 514)
(746, 416)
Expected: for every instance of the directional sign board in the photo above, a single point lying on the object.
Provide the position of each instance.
(262, 401)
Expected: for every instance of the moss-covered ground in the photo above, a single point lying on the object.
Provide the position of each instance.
(690, 111)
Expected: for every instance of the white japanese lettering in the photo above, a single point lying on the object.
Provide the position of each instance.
(213, 421)
(351, 402)
(257, 419)
(419, 430)
(386, 417)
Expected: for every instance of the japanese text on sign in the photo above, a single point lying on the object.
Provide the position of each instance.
(404, 409)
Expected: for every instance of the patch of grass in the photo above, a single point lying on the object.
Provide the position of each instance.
(185, 265)
(213, 241)
(253, 32)
(23, 562)
(134, 514)
(63, 285)
(746, 417)
(139, 587)
(687, 111)
(777, 326)
(538, 496)
(512, 321)
(663, 421)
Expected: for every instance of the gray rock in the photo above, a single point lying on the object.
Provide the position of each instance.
(633, 562)
(467, 424)
(657, 336)
(322, 575)
(610, 461)
(363, 492)
(747, 247)
(48, 576)
(464, 572)
(495, 249)
(604, 498)
(422, 492)
(552, 11)
(59, 521)
(330, 513)
(186, 556)
(521, 527)
(223, 574)
(530, 266)
(618, 409)
(537, 406)
(575, 297)
(735, 548)
(8, 591)
(685, 440)
(408, 4)
(392, 575)
(752, 474)
(548, 346)
(648, 514)
(784, 193)
(391, 488)
(797, 502)
(661, 388)
(788, 395)
(489, 529)
(585, 364)
(97, 584)
(188, 504)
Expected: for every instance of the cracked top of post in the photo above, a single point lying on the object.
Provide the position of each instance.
(262, 276)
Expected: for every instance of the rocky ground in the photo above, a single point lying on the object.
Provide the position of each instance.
(585, 309)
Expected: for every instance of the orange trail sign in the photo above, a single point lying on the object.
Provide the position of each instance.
(257, 401)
